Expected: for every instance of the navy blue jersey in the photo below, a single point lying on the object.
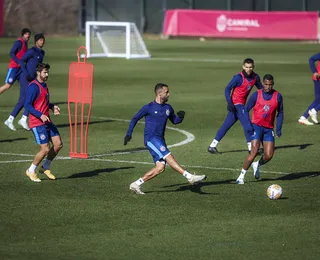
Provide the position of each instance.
(29, 61)
(156, 117)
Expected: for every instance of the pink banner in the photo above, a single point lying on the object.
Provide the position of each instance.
(242, 24)
(1, 18)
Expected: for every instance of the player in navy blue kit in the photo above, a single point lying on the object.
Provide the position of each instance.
(314, 107)
(28, 64)
(156, 116)
(267, 105)
(236, 94)
(19, 48)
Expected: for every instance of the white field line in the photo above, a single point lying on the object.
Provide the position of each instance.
(132, 162)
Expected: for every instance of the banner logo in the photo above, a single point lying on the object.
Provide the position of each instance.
(229, 24)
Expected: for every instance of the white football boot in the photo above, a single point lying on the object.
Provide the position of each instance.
(24, 124)
(10, 125)
(304, 121)
(313, 114)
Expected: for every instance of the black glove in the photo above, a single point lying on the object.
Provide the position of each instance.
(181, 114)
(127, 138)
(29, 78)
(231, 107)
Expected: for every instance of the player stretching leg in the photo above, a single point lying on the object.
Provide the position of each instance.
(156, 116)
(265, 103)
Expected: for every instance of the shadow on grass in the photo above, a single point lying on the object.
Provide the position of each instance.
(91, 123)
(294, 176)
(13, 140)
(96, 172)
(194, 188)
(299, 146)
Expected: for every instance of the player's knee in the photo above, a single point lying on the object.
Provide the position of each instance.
(160, 168)
(59, 146)
(45, 149)
(268, 156)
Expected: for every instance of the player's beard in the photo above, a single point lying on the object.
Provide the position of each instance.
(44, 78)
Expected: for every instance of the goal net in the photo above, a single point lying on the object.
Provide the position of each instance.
(114, 39)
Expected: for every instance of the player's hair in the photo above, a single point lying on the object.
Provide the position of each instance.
(268, 77)
(248, 60)
(158, 87)
(25, 30)
(41, 66)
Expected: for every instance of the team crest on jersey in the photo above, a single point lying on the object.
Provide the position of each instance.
(162, 148)
(266, 108)
(168, 112)
(42, 137)
(249, 87)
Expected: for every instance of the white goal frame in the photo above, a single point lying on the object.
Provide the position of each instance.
(129, 27)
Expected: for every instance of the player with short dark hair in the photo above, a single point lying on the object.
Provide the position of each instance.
(28, 64)
(266, 103)
(314, 107)
(19, 48)
(236, 94)
(38, 104)
(156, 116)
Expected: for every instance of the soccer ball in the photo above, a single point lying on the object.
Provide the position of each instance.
(274, 191)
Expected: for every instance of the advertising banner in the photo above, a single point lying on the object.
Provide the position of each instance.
(241, 24)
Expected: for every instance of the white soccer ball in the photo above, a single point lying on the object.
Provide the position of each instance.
(274, 191)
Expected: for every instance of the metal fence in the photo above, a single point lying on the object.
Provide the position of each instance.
(148, 14)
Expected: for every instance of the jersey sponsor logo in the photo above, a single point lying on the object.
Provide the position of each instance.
(266, 108)
(162, 148)
(156, 112)
(168, 112)
(42, 137)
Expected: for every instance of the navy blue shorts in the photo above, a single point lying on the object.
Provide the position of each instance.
(158, 149)
(12, 75)
(263, 134)
(43, 133)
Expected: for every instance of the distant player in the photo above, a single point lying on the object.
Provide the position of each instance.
(315, 105)
(37, 103)
(156, 116)
(28, 64)
(236, 94)
(19, 48)
(266, 103)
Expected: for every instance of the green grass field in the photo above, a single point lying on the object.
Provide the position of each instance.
(89, 211)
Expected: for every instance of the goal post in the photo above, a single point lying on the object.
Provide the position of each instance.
(114, 39)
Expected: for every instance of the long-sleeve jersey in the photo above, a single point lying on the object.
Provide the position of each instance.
(156, 117)
(312, 62)
(30, 59)
(237, 82)
(33, 93)
(15, 49)
(267, 96)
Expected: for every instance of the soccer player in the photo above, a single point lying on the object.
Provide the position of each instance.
(19, 48)
(315, 105)
(236, 94)
(37, 103)
(28, 64)
(266, 103)
(156, 116)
